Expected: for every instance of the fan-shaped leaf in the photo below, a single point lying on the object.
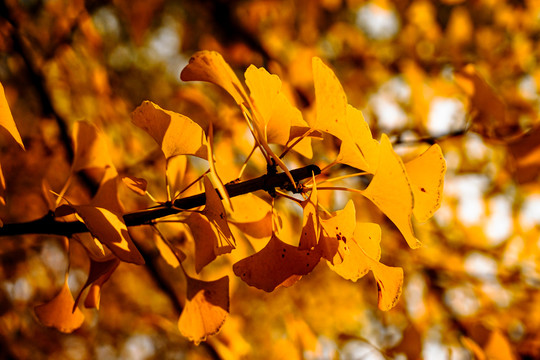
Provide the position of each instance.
(277, 264)
(175, 133)
(336, 231)
(59, 312)
(90, 147)
(426, 174)
(206, 308)
(391, 191)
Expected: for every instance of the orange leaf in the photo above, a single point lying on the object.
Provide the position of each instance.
(137, 185)
(264, 89)
(331, 101)
(336, 231)
(215, 212)
(58, 312)
(358, 148)
(209, 66)
(206, 308)
(100, 272)
(309, 238)
(2, 187)
(175, 133)
(90, 147)
(109, 228)
(498, 347)
(277, 264)
(6, 119)
(391, 191)
(426, 174)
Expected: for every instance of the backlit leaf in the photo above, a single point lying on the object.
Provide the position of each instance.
(358, 148)
(389, 284)
(277, 264)
(391, 191)
(364, 243)
(137, 185)
(215, 212)
(309, 237)
(100, 271)
(6, 119)
(331, 101)
(90, 147)
(109, 228)
(176, 134)
(209, 66)
(426, 175)
(206, 308)
(58, 312)
(264, 89)
(336, 231)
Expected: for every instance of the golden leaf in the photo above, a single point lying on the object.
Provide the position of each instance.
(176, 134)
(426, 175)
(6, 119)
(309, 237)
(59, 312)
(336, 231)
(389, 284)
(90, 147)
(209, 66)
(391, 191)
(331, 101)
(100, 272)
(206, 308)
(137, 185)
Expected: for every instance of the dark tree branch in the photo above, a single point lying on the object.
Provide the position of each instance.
(48, 224)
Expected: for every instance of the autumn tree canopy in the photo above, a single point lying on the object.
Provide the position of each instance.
(269, 179)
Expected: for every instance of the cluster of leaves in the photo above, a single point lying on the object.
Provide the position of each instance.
(463, 74)
(352, 249)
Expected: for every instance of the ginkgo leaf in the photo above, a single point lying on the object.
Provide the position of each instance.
(331, 101)
(6, 119)
(277, 264)
(175, 133)
(389, 284)
(90, 147)
(137, 185)
(358, 148)
(336, 231)
(364, 243)
(94, 293)
(206, 308)
(426, 174)
(215, 212)
(264, 89)
(99, 270)
(109, 228)
(211, 67)
(59, 312)
(309, 237)
(94, 248)
(391, 191)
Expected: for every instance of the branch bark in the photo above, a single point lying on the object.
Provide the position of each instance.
(49, 224)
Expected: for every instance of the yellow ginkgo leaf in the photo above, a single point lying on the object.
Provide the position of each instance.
(137, 185)
(309, 237)
(206, 240)
(364, 243)
(175, 133)
(426, 174)
(6, 119)
(211, 67)
(358, 148)
(336, 231)
(264, 89)
(389, 284)
(391, 191)
(59, 313)
(90, 147)
(94, 248)
(109, 228)
(206, 308)
(277, 264)
(331, 101)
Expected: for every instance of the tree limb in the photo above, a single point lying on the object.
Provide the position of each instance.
(48, 224)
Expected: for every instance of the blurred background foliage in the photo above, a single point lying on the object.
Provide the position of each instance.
(464, 74)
